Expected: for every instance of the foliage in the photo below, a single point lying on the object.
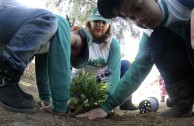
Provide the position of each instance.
(120, 26)
(79, 10)
(86, 92)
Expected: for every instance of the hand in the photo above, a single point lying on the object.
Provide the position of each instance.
(74, 28)
(47, 109)
(97, 113)
(45, 103)
(192, 29)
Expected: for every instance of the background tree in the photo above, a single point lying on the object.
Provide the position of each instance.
(78, 12)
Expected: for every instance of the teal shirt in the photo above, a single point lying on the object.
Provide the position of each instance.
(53, 76)
(114, 63)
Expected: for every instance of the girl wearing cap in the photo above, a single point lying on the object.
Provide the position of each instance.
(169, 47)
(39, 33)
(105, 53)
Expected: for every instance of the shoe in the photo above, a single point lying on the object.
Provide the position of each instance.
(11, 99)
(180, 98)
(128, 105)
(169, 103)
(27, 96)
(177, 112)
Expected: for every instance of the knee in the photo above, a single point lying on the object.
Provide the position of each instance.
(124, 67)
(125, 64)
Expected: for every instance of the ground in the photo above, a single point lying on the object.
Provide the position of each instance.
(119, 118)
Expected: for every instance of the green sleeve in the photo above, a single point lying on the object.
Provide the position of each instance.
(42, 80)
(114, 64)
(59, 66)
(132, 79)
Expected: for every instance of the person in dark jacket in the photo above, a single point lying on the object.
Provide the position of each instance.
(169, 47)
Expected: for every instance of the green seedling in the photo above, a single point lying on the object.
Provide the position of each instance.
(86, 93)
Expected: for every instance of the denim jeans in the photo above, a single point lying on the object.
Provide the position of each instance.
(23, 31)
(125, 64)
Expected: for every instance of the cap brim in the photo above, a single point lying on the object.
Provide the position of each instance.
(82, 60)
(99, 18)
(105, 9)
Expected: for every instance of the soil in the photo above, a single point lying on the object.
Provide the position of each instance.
(119, 118)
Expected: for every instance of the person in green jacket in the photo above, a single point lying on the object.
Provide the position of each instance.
(53, 78)
(168, 47)
(104, 53)
(26, 33)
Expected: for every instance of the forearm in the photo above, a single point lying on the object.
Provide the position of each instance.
(127, 85)
(114, 63)
(132, 79)
(59, 66)
(41, 69)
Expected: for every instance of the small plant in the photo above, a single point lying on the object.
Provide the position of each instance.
(86, 93)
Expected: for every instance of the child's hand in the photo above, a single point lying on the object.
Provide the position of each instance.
(192, 29)
(47, 109)
(45, 103)
(97, 113)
